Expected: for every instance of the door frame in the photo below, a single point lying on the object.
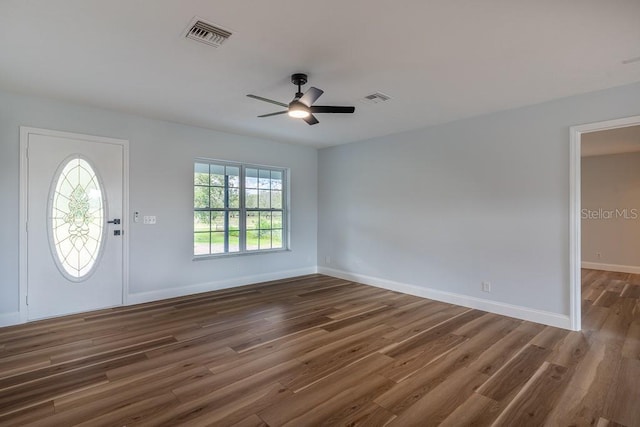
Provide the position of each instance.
(25, 131)
(575, 206)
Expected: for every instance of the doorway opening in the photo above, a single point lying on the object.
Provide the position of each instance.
(577, 134)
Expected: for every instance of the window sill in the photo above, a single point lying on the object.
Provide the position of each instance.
(236, 254)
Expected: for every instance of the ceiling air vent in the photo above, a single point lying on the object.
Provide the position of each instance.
(376, 98)
(205, 32)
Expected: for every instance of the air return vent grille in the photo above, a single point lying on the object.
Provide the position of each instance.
(205, 32)
(376, 98)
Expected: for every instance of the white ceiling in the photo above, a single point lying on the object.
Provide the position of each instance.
(440, 60)
(612, 141)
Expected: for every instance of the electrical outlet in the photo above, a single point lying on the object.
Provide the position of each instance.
(149, 219)
(598, 255)
(486, 287)
(136, 216)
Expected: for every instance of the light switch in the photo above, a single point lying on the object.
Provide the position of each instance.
(149, 219)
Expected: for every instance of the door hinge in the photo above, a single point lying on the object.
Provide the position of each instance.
(27, 299)
(26, 227)
(26, 152)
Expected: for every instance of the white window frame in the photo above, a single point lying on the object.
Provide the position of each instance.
(243, 209)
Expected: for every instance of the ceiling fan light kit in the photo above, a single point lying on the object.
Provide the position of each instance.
(301, 107)
(298, 110)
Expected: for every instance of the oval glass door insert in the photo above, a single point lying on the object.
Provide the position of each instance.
(77, 215)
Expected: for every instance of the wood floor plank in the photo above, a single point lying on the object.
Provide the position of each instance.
(222, 407)
(583, 400)
(236, 378)
(623, 402)
(251, 421)
(411, 389)
(409, 362)
(477, 410)
(502, 351)
(536, 400)
(631, 347)
(311, 397)
(425, 338)
(631, 290)
(434, 407)
(131, 413)
(114, 396)
(28, 415)
(53, 385)
(512, 376)
(369, 415)
(318, 350)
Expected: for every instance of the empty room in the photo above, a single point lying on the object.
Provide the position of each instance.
(340, 213)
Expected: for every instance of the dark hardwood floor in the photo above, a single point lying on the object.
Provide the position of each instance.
(316, 350)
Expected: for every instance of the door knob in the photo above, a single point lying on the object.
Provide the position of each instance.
(115, 221)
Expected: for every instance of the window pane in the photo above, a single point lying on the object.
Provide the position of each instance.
(217, 221)
(265, 179)
(264, 199)
(252, 220)
(234, 243)
(251, 199)
(200, 197)
(234, 198)
(265, 239)
(233, 173)
(217, 242)
(276, 180)
(276, 239)
(201, 243)
(201, 221)
(277, 220)
(201, 174)
(265, 220)
(253, 240)
(276, 199)
(251, 178)
(234, 223)
(217, 175)
(217, 197)
(77, 218)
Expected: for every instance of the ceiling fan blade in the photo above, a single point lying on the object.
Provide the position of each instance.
(331, 109)
(311, 96)
(311, 119)
(273, 114)
(271, 101)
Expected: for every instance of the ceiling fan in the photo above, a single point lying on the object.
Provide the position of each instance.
(302, 105)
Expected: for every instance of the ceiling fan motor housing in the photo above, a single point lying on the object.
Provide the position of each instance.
(299, 79)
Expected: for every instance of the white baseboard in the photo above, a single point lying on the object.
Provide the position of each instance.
(138, 298)
(8, 319)
(519, 312)
(611, 267)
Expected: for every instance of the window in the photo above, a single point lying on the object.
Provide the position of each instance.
(76, 219)
(238, 208)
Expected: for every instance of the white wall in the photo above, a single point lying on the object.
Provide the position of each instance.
(611, 184)
(442, 208)
(161, 176)
(449, 206)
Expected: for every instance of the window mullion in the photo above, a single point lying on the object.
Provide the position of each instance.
(226, 212)
(243, 210)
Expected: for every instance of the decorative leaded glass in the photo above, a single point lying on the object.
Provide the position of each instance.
(77, 218)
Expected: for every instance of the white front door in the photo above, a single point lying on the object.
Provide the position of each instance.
(74, 223)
